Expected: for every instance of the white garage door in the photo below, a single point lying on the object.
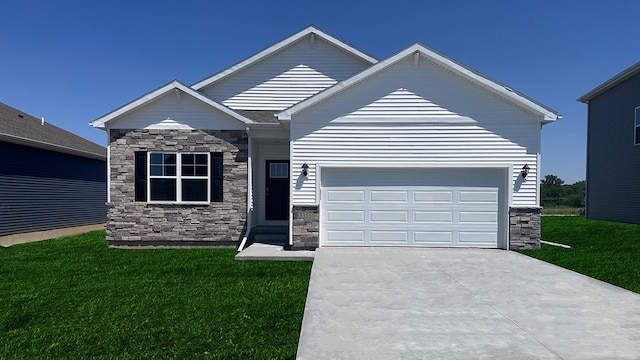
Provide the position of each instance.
(444, 207)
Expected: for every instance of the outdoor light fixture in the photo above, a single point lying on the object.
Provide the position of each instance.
(305, 169)
(525, 171)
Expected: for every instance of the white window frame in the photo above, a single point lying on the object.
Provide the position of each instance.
(636, 125)
(178, 178)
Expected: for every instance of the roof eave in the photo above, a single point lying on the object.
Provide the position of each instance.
(52, 147)
(101, 122)
(615, 80)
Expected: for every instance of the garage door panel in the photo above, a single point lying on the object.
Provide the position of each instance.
(346, 216)
(345, 236)
(382, 216)
(433, 197)
(490, 217)
(433, 237)
(443, 217)
(385, 196)
(477, 237)
(406, 209)
(345, 196)
(476, 196)
(389, 237)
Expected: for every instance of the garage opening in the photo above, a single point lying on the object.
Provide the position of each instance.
(414, 207)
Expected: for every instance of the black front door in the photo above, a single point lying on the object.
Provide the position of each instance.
(277, 190)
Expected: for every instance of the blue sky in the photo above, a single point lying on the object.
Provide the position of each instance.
(73, 61)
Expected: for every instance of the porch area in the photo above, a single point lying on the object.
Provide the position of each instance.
(268, 242)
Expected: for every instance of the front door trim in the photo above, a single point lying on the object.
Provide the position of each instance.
(276, 205)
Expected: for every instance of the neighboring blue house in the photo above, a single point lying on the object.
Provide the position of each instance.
(49, 177)
(613, 148)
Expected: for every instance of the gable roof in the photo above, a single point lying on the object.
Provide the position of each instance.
(622, 76)
(174, 85)
(279, 46)
(20, 128)
(418, 50)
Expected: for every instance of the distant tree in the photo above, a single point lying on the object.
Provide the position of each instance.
(579, 187)
(575, 194)
(551, 190)
(554, 192)
(552, 180)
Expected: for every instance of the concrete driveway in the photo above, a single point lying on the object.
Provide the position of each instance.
(408, 303)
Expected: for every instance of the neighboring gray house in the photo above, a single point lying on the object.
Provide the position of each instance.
(613, 148)
(337, 146)
(49, 177)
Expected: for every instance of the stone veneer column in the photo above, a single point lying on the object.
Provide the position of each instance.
(140, 224)
(524, 228)
(306, 227)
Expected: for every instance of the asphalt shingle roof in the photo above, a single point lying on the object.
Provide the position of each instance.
(19, 127)
(262, 116)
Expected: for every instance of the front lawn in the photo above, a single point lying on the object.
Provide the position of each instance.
(75, 298)
(600, 249)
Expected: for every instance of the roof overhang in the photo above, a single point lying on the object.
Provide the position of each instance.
(418, 51)
(51, 147)
(311, 30)
(622, 76)
(175, 86)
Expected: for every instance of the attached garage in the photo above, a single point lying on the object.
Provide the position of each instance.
(458, 207)
(416, 150)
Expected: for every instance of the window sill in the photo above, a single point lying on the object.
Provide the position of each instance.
(200, 203)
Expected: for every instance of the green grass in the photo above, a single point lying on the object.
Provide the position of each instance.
(603, 250)
(561, 210)
(75, 298)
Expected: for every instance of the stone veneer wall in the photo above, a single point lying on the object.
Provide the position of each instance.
(132, 223)
(306, 227)
(524, 228)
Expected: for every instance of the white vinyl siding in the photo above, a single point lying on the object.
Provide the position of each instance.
(181, 111)
(415, 145)
(287, 77)
(402, 103)
(388, 94)
(416, 116)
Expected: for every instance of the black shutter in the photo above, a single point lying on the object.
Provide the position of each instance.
(216, 177)
(141, 175)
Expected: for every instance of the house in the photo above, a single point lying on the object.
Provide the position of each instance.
(49, 177)
(613, 148)
(344, 149)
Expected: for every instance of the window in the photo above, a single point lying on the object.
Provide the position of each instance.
(178, 177)
(637, 126)
(278, 170)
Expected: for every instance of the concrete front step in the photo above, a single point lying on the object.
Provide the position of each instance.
(270, 238)
(259, 251)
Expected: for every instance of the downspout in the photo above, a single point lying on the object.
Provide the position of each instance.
(290, 240)
(249, 191)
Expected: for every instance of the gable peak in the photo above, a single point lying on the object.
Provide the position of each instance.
(310, 31)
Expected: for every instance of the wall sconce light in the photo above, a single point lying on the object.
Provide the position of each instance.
(525, 171)
(305, 169)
